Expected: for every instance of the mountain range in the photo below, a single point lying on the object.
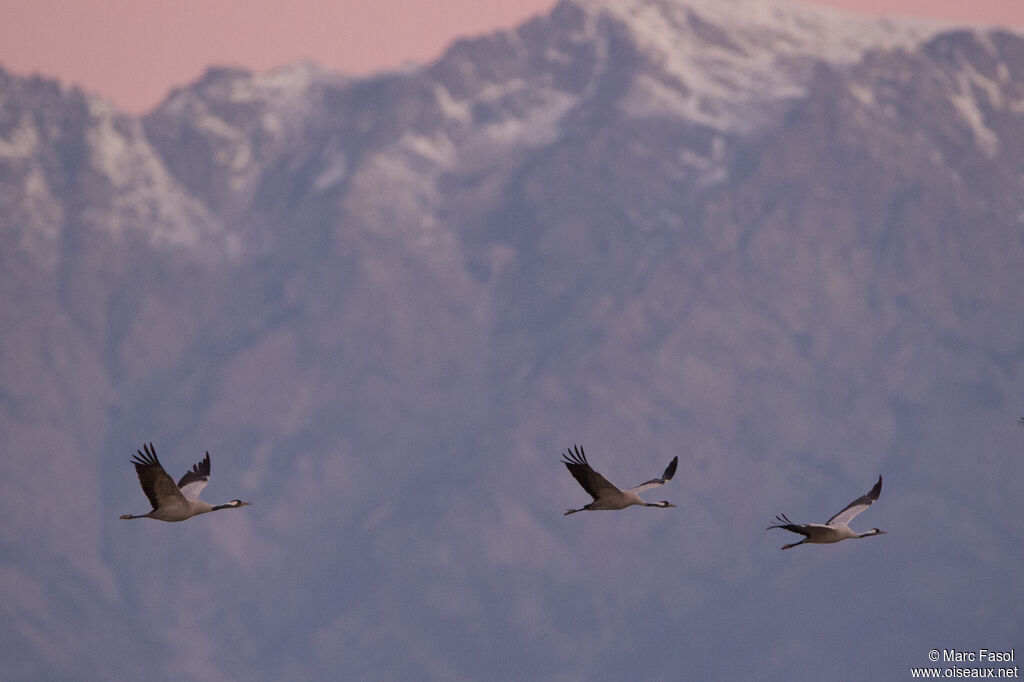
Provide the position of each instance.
(780, 242)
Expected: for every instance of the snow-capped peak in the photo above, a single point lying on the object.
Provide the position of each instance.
(721, 63)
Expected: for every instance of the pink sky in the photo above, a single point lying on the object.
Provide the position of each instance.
(134, 52)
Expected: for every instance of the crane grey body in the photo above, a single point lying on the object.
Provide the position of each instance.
(835, 529)
(606, 495)
(174, 502)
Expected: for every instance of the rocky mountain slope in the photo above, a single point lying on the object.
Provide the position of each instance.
(782, 243)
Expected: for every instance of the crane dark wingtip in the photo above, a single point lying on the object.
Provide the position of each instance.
(145, 457)
(575, 456)
(876, 490)
(670, 470)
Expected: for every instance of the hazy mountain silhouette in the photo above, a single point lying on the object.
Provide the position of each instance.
(782, 243)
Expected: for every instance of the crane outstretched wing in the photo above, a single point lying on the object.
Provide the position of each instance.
(593, 482)
(857, 506)
(670, 471)
(156, 483)
(193, 482)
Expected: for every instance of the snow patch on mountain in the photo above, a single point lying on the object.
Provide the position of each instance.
(459, 111)
(969, 110)
(727, 64)
(243, 120)
(138, 191)
(975, 92)
(22, 142)
(26, 195)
